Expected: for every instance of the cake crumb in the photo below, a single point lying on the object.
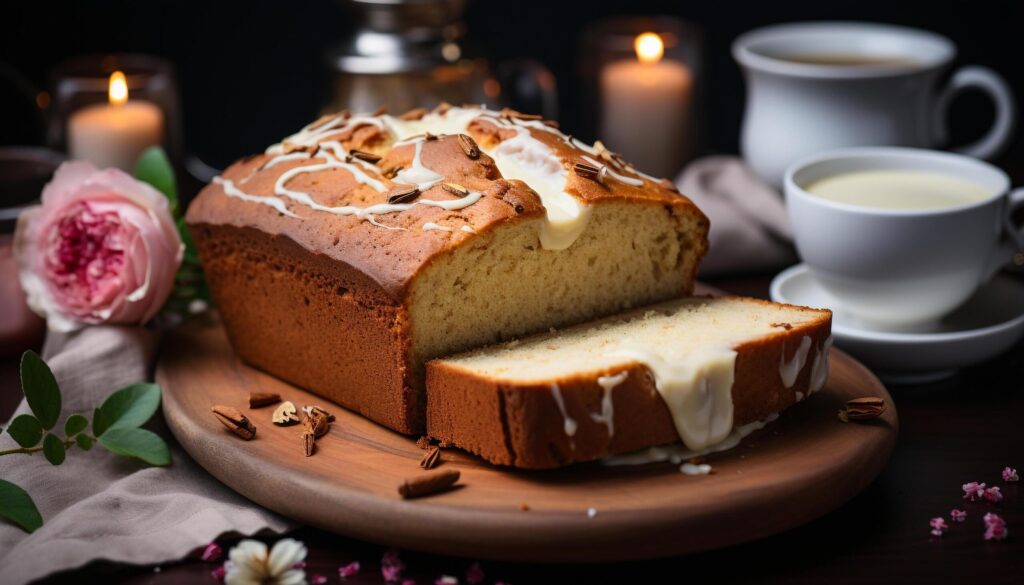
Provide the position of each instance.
(591, 512)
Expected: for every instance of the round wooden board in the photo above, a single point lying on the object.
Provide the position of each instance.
(798, 468)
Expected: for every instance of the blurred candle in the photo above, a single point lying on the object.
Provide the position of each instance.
(646, 103)
(115, 133)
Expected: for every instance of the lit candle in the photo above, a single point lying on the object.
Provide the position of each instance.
(646, 106)
(115, 133)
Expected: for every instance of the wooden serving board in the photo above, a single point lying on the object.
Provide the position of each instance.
(796, 469)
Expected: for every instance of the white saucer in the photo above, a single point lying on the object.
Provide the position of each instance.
(988, 324)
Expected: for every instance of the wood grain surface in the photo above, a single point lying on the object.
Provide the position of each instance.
(798, 468)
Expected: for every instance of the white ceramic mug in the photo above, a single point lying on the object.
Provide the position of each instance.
(899, 267)
(796, 108)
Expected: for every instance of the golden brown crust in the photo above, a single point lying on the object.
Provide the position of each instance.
(312, 321)
(520, 424)
(393, 258)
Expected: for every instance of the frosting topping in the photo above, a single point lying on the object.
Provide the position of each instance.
(318, 148)
(789, 371)
(607, 414)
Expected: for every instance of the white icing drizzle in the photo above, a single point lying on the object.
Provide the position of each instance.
(789, 371)
(231, 191)
(520, 157)
(677, 453)
(285, 158)
(467, 229)
(568, 423)
(416, 173)
(695, 469)
(453, 204)
(309, 136)
(605, 169)
(525, 158)
(431, 226)
(696, 388)
(607, 414)
(819, 368)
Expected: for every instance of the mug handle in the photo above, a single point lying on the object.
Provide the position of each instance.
(990, 82)
(1011, 250)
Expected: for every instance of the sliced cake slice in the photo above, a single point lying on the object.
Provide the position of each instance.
(690, 369)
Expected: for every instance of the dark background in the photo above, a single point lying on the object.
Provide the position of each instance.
(252, 72)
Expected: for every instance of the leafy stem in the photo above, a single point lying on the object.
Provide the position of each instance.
(68, 443)
(115, 426)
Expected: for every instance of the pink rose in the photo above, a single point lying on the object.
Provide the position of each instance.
(102, 248)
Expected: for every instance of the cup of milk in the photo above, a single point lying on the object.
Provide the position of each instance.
(902, 236)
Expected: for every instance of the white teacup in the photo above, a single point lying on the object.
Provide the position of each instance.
(903, 266)
(817, 86)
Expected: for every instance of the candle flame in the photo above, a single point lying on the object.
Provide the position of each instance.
(649, 47)
(118, 92)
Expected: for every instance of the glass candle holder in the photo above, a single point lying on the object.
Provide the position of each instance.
(109, 108)
(646, 74)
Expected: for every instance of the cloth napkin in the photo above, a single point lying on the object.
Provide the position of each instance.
(98, 505)
(749, 228)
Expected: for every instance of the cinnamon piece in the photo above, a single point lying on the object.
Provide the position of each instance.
(380, 111)
(403, 193)
(308, 443)
(442, 108)
(316, 423)
(309, 409)
(235, 421)
(786, 326)
(367, 156)
(431, 458)
(428, 484)
(469, 146)
(261, 399)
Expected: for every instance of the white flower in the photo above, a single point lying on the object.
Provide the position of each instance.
(250, 564)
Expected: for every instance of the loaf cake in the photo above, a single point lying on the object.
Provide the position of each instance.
(350, 254)
(690, 370)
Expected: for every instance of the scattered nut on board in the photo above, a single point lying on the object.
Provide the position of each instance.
(235, 421)
(285, 414)
(861, 409)
(261, 399)
(428, 484)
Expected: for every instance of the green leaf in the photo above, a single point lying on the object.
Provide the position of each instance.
(26, 430)
(75, 424)
(99, 424)
(17, 506)
(84, 442)
(140, 443)
(40, 389)
(154, 168)
(54, 450)
(129, 407)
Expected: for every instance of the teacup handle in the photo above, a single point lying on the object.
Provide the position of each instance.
(1012, 248)
(990, 82)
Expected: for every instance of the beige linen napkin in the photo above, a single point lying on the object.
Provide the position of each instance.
(101, 506)
(749, 227)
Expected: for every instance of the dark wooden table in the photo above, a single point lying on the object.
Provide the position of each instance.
(964, 429)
